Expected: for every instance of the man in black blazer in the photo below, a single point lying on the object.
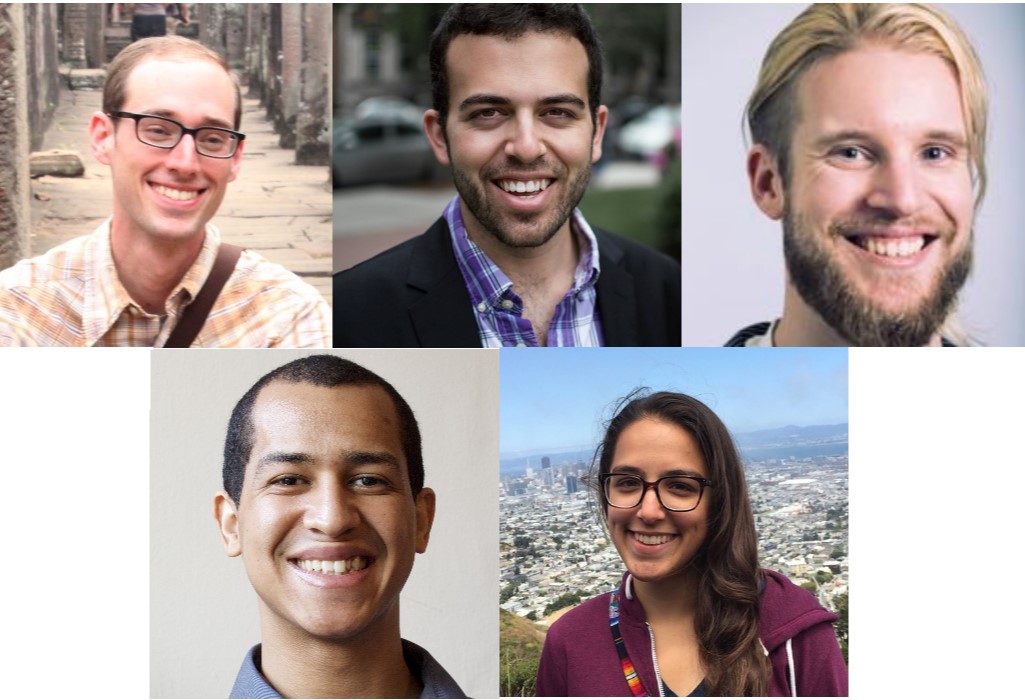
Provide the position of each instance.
(512, 261)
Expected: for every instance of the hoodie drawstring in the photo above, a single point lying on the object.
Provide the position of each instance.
(790, 664)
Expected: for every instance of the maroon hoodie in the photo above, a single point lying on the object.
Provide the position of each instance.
(580, 659)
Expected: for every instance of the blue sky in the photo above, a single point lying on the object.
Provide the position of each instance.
(555, 399)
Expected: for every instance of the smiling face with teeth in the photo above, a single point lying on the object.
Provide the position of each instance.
(878, 205)
(327, 524)
(167, 194)
(519, 135)
(657, 545)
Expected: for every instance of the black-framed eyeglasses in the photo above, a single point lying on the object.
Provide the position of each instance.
(161, 132)
(676, 493)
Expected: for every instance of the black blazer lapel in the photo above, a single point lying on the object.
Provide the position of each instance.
(441, 313)
(617, 295)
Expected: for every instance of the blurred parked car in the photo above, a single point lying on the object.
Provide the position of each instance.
(387, 107)
(384, 143)
(651, 133)
(628, 109)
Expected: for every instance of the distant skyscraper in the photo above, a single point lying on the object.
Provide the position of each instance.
(571, 483)
(546, 463)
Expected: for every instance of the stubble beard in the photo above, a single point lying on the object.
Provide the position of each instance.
(823, 286)
(515, 229)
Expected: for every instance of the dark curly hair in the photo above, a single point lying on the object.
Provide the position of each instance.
(511, 21)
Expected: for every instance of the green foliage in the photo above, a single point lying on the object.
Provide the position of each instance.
(837, 554)
(633, 35)
(517, 678)
(520, 645)
(563, 601)
(809, 586)
(532, 616)
(667, 216)
(630, 212)
(508, 592)
(841, 625)
(823, 576)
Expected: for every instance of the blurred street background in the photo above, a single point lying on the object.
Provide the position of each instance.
(389, 187)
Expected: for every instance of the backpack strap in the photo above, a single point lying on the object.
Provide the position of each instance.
(194, 316)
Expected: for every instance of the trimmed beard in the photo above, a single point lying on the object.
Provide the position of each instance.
(822, 285)
(544, 227)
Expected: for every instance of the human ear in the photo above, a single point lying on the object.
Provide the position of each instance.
(226, 515)
(766, 181)
(424, 518)
(101, 136)
(436, 136)
(601, 120)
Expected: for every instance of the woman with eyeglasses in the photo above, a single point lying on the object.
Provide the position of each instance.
(694, 614)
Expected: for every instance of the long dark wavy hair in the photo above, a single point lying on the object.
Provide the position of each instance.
(728, 590)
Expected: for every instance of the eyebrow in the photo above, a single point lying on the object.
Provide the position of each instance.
(951, 137)
(567, 99)
(355, 459)
(627, 469)
(359, 459)
(273, 458)
(206, 121)
(486, 99)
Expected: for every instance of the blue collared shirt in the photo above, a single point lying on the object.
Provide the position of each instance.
(499, 310)
(250, 682)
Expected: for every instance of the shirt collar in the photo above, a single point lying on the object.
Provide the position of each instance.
(106, 298)
(436, 682)
(487, 283)
(250, 682)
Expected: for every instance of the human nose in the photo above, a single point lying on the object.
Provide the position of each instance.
(184, 157)
(329, 511)
(525, 143)
(896, 187)
(651, 507)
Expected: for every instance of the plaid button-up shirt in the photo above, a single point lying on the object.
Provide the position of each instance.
(499, 310)
(72, 296)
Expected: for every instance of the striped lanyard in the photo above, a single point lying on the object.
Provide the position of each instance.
(632, 679)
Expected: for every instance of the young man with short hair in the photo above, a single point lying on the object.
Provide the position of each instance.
(324, 500)
(512, 262)
(169, 132)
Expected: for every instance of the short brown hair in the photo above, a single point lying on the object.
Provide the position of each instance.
(171, 48)
(824, 30)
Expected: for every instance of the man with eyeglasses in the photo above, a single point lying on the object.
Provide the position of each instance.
(169, 132)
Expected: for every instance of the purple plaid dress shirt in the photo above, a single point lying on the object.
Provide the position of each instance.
(499, 310)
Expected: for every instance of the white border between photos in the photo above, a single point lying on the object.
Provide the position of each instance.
(75, 514)
(936, 499)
